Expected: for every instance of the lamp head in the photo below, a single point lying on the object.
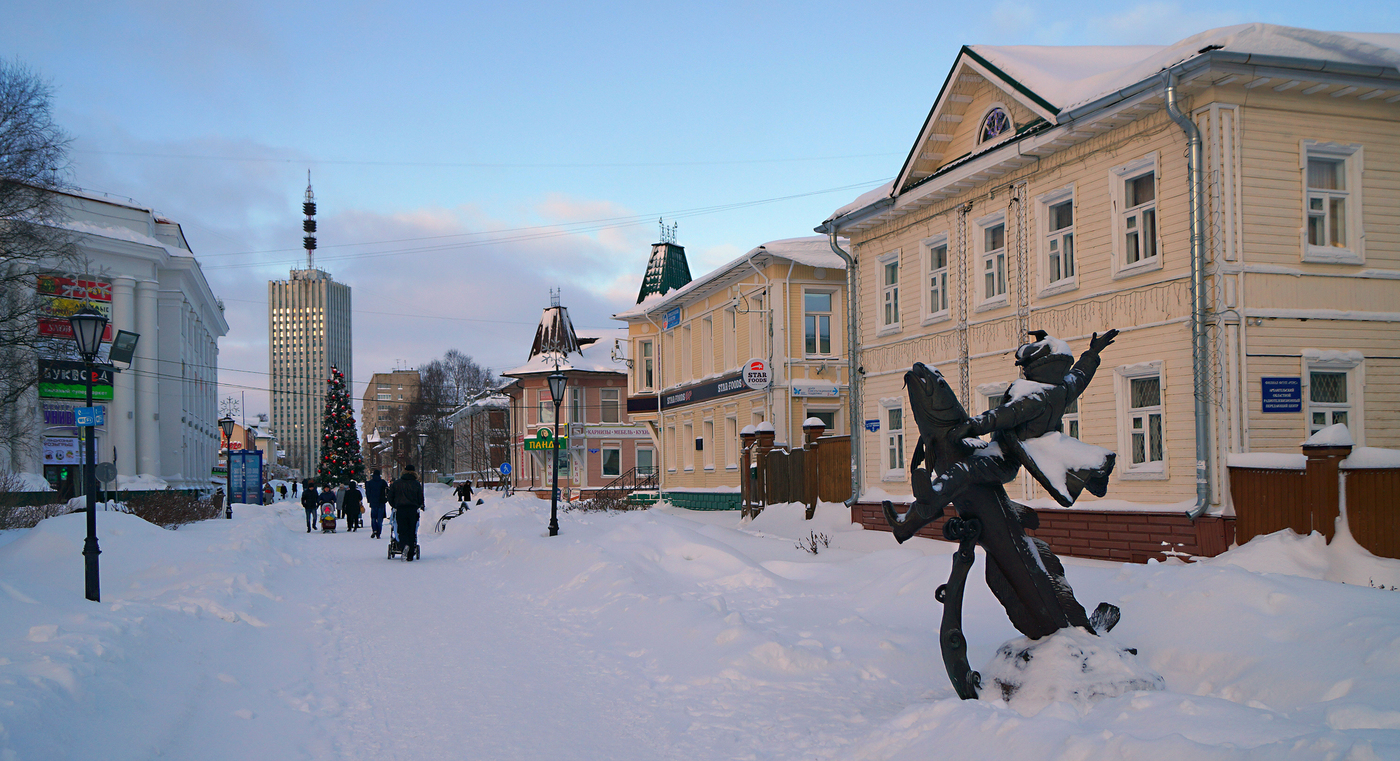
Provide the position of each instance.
(226, 425)
(557, 383)
(88, 327)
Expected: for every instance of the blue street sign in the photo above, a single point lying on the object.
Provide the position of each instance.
(872, 425)
(85, 417)
(505, 468)
(1281, 394)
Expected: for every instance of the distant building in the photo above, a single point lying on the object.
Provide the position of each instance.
(384, 407)
(161, 416)
(309, 332)
(481, 438)
(603, 442)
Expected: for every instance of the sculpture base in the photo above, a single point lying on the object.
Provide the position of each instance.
(1070, 666)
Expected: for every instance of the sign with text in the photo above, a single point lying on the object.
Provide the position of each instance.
(62, 379)
(245, 477)
(90, 416)
(547, 442)
(62, 450)
(729, 384)
(62, 296)
(756, 375)
(616, 432)
(671, 319)
(872, 425)
(1281, 394)
(815, 389)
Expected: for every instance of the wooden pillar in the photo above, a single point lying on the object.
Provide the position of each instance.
(763, 446)
(1322, 485)
(746, 441)
(812, 430)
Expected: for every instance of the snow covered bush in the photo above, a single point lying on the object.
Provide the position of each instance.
(15, 515)
(171, 509)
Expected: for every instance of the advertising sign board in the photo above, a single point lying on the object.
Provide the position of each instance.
(756, 375)
(62, 296)
(62, 379)
(62, 450)
(245, 477)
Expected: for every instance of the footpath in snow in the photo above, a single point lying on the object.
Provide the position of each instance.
(662, 634)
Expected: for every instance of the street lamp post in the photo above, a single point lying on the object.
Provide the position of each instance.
(422, 439)
(88, 327)
(226, 425)
(557, 382)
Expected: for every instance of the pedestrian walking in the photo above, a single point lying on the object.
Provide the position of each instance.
(464, 494)
(308, 503)
(294, 490)
(326, 501)
(376, 491)
(267, 493)
(353, 504)
(406, 497)
(282, 492)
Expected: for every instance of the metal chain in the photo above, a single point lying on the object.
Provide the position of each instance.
(964, 368)
(1023, 299)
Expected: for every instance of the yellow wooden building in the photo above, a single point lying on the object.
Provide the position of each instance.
(694, 344)
(1229, 202)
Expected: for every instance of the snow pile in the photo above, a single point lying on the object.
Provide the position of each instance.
(141, 482)
(1056, 454)
(1337, 435)
(1071, 666)
(22, 481)
(654, 634)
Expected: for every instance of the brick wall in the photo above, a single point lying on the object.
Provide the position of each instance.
(1130, 537)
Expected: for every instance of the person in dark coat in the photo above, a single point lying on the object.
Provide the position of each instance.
(308, 503)
(376, 491)
(406, 497)
(464, 494)
(353, 504)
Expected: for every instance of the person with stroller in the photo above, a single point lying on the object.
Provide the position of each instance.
(353, 504)
(376, 491)
(406, 497)
(308, 503)
(326, 497)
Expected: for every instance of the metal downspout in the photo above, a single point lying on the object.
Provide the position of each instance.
(1199, 356)
(852, 376)
(660, 419)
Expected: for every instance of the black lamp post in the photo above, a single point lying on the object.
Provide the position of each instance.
(422, 439)
(557, 382)
(226, 425)
(88, 327)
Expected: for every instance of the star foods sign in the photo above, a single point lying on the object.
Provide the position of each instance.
(756, 375)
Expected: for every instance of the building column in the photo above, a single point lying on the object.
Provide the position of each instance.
(146, 369)
(122, 420)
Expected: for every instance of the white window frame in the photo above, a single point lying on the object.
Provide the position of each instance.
(1123, 378)
(707, 345)
(1354, 366)
(687, 359)
(637, 456)
(758, 328)
(646, 359)
(892, 441)
(889, 305)
(1048, 237)
(707, 435)
(731, 337)
(1072, 421)
(731, 441)
(936, 280)
(1352, 158)
(999, 260)
(607, 446)
(615, 402)
(687, 445)
(833, 347)
(1004, 136)
(991, 391)
(546, 408)
(578, 404)
(670, 445)
(1118, 177)
(835, 412)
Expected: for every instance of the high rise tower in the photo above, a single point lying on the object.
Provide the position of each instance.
(309, 332)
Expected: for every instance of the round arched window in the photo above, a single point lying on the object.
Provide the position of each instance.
(995, 124)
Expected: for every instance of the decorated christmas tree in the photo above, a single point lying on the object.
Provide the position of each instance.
(341, 462)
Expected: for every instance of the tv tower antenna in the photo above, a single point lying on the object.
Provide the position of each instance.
(308, 227)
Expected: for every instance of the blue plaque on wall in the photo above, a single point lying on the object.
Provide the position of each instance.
(1281, 394)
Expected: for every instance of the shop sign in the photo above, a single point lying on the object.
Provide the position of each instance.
(547, 442)
(617, 432)
(756, 375)
(816, 389)
(63, 296)
(62, 450)
(62, 379)
(730, 384)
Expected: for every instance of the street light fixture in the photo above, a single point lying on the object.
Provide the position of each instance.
(88, 326)
(557, 382)
(226, 425)
(422, 439)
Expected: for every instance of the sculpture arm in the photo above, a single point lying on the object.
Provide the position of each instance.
(1005, 416)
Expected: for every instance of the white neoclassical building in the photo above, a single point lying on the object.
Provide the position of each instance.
(162, 411)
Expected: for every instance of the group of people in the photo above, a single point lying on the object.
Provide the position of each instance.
(404, 495)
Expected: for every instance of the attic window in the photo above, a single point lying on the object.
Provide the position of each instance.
(995, 124)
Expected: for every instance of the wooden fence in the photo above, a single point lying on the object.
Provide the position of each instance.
(821, 469)
(1307, 499)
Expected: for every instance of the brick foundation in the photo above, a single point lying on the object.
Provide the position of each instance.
(1129, 537)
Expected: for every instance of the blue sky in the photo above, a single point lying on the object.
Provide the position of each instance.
(458, 149)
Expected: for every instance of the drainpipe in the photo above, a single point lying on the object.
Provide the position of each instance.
(1196, 182)
(660, 419)
(852, 376)
(793, 434)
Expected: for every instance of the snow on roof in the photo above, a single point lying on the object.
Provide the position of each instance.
(1068, 77)
(812, 250)
(1073, 76)
(595, 355)
(123, 233)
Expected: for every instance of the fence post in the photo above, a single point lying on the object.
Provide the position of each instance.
(746, 439)
(1321, 485)
(765, 444)
(812, 430)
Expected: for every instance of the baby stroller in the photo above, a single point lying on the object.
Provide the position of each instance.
(398, 548)
(327, 519)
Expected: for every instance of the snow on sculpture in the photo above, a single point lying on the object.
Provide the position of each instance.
(1026, 577)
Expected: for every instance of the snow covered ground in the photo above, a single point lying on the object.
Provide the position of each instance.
(652, 635)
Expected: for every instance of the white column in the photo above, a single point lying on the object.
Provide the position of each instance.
(121, 421)
(146, 369)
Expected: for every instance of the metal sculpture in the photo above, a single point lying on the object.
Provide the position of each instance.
(1026, 577)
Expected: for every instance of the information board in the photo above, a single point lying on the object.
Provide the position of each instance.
(1281, 394)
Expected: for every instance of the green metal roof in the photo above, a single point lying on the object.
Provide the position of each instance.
(667, 271)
